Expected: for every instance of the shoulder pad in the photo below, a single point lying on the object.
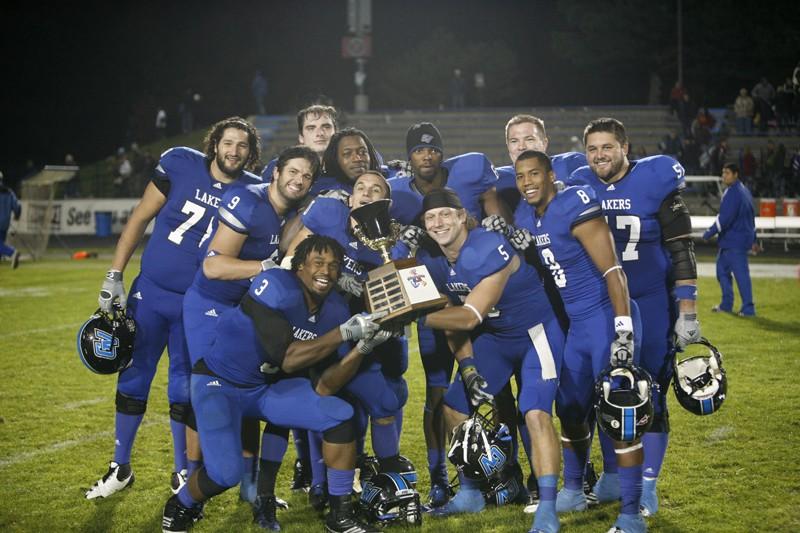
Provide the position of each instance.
(664, 174)
(176, 158)
(323, 213)
(277, 289)
(577, 203)
(239, 205)
(565, 164)
(484, 253)
(580, 176)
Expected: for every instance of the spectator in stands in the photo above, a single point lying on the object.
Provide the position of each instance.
(161, 123)
(784, 102)
(736, 227)
(763, 93)
(676, 98)
(9, 205)
(744, 108)
(671, 144)
(457, 88)
(260, 88)
(747, 164)
(700, 130)
(717, 157)
(690, 156)
(686, 112)
(794, 173)
(773, 162)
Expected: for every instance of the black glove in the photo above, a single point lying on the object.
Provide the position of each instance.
(497, 224)
(520, 239)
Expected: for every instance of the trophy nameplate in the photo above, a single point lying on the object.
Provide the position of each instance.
(403, 289)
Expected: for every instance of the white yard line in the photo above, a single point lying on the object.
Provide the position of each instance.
(74, 326)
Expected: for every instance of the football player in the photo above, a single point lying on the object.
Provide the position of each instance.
(182, 197)
(574, 242)
(244, 243)
(381, 394)
(651, 226)
(473, 178)
(287, 322)
(513, 329)
(316, 124)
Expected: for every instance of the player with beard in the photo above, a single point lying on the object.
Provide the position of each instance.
(575, 243)
(380, 389)
(316, 124)
(473, 179)
(651, 225)
(182, 197)
(244, 243)
(264, 364)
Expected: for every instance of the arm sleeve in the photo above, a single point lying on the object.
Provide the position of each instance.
(273, 330)
(238, 208)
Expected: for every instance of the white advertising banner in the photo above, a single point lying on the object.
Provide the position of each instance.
(79, 216)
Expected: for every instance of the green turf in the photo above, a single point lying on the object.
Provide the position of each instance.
(737, 470)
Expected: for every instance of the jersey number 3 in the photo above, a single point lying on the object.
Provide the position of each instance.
(555, 269)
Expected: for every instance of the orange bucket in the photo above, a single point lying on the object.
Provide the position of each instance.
(791, 207)
(766, 207)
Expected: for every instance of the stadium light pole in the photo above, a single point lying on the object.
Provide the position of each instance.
(680, 41)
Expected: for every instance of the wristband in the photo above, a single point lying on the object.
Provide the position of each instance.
(467, 362)
(477, 314)
(623, 323)
(114, 275)
(615, 267)
(685, 292)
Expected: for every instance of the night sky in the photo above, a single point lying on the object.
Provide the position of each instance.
(88, 77)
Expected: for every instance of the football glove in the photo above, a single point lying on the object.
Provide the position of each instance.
(497, 224)
(365, 346)
(687, 330)
(399, 166)
(411, 236)
(475, 385)
(267, 264)
(622, 348)
(520, 239)
(113, 289)
(337, 194)
(349, 284)
(360, 327)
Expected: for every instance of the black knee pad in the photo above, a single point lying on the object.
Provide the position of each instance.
(278, 431)
(130, 406)
(207, 485)
(660, 422)
(342, 434)
(183, 413)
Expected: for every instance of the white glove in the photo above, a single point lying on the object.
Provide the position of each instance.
(411, 236)
(475, 386)
(365, 346)
(267, 264)
(113, 289)
(622, 349)
(360, 326)
(349, 284)
(520, 239)
(687, 330)
(497, 224)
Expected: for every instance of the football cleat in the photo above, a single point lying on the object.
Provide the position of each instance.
(318, 497)
(342, 518)
(648, 505)
(607, 488)
(177, 518)
(301, 480)
(264, 513)
(589, 481)
(439, 495)
(465, 501)
(533, 495)
(629, 523)
(178, 480)
(545, 523)
(569, 500)
(116, 479)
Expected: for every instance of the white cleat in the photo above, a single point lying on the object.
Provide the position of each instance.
(178, 480)
(110, 483)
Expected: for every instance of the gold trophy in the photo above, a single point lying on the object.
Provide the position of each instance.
(401, 288)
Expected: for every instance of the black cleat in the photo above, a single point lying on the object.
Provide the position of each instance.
(177, 518)
(318, 497)
(301, 480)
(264, 513)
(342, 518)
(589, 481)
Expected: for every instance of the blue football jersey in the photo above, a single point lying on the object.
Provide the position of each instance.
(170, 257)
(631, 207)
(523, 302)
(237, 354)
(245, 209)
(563, 165)
(331, 217)
(582, 287)
(469, 175)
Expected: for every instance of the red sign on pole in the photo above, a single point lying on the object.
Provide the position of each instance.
(357, 47)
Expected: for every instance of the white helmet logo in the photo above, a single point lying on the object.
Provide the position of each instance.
(426, 138)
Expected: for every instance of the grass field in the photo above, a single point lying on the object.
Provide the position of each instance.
(737, 470)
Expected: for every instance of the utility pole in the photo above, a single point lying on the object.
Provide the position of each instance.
(357, 44)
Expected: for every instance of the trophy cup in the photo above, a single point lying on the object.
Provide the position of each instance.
(401, 288)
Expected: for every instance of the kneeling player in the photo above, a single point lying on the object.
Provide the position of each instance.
(287, 323)
(513, 329)
(575, 243)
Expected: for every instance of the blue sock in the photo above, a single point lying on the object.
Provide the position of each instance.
(318, 469)
(547, 490)
(191, 466)
(384, 440)
(436, 465)
(398, 423)
(340, 482)
(655, 447)
(178, 444)
(609, 455)
(249, 468)
(630, 487)
(273, 447)
(574, 465)
(300, 438)
(125, 428)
